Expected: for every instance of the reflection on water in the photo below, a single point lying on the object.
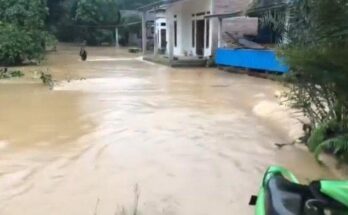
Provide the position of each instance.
(196, 141)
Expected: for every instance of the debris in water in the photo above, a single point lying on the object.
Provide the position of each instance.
(134, 50)
(96, 207)
(5, 74)
(136, 200)
(47, 80)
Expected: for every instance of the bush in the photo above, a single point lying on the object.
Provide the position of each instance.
(22, 34)
(18, 45)
(316, 51)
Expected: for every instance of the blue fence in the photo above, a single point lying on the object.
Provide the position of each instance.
(265, 60)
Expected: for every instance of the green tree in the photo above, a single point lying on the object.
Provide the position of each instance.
(61, 20)
(22, 32)
(134, 4)
(100, 18)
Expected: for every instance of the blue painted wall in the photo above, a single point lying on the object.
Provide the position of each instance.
(250, 59)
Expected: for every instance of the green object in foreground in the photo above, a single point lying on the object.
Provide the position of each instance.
(281, 194)
(337, 190)
(273, 170)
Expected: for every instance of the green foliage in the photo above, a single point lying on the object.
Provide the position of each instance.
(274, 20)
(19, 45)
(100, 18)
(317, 137)
(22, 13)
(337, 145)
(78, 20)
(22, 31)
(98, 12)
(134, 4)
(61, 20)
(316, 51)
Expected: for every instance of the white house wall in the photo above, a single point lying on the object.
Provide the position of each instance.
(184, 11)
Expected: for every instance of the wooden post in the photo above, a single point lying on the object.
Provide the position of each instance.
(220, 33)
(285, 36)
(144, 39)
(117, 44)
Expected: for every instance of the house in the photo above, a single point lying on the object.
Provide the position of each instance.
(195, 28)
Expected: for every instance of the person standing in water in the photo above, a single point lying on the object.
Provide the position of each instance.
(83, 54)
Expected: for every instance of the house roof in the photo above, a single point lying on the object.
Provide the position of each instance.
(261, 6)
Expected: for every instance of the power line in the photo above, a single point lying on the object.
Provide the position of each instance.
(105, 26)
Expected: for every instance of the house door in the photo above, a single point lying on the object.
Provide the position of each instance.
(200, 37)
(163, 39)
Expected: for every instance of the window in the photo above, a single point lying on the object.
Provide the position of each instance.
(163, 24)
(193, 32)
(175, 33)
(208, 33)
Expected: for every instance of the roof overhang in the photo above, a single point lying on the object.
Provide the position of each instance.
(224, 15)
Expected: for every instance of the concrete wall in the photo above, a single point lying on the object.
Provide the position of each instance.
(239, 26)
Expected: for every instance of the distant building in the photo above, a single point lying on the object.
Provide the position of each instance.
(134, 38)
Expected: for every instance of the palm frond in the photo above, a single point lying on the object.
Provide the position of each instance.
(338, 144)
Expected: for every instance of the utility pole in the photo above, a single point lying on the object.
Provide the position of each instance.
(143, 24)
(117, 44)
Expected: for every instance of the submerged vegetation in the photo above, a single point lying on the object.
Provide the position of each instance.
(5, 73)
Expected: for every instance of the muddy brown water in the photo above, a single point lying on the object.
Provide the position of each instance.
(194, 141)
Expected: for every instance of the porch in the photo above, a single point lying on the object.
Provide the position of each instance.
(176, 61)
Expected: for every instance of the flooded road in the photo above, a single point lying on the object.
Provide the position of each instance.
(186, 141)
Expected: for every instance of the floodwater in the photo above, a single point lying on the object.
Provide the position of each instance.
(184, 141)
